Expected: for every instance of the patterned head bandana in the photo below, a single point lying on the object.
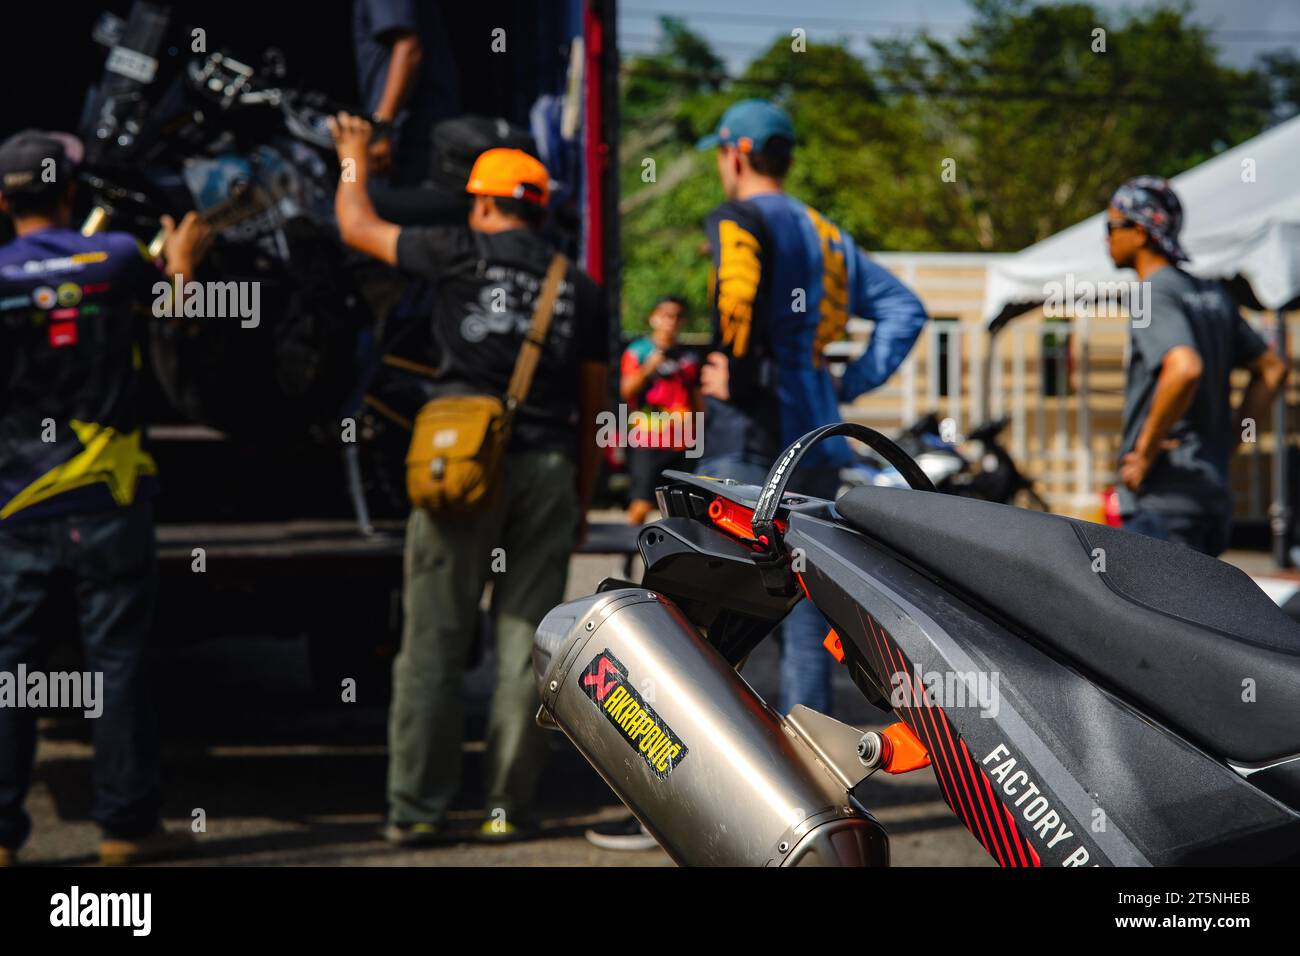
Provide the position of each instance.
(1151, 202)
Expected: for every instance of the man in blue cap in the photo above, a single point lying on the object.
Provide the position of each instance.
(785, 281)
(1180, 429)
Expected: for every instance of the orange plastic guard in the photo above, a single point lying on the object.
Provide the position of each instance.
(832, 644)
(903, 751)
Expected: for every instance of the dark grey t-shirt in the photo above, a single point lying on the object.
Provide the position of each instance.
(1185, 310)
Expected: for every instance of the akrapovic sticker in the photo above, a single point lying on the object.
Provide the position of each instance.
(605, 683)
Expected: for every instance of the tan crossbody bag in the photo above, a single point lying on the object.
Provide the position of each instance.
(458, 445)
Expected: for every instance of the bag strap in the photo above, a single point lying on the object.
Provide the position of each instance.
(530, 352)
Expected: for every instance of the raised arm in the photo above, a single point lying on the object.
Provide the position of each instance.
(184, 245)
(359, 225)
(634, 375)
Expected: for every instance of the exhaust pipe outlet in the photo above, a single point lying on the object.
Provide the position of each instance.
(709, 769)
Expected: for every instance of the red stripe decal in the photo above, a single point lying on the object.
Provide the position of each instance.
(996, 831)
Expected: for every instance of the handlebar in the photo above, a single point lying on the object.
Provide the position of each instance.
(230, 82)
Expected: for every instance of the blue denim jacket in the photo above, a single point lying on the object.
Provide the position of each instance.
(785, 282)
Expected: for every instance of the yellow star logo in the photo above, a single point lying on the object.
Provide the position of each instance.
(107, 455)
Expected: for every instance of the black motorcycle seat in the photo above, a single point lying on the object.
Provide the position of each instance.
(1190, 639)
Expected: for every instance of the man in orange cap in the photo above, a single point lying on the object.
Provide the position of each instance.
(487, 277)
(509, 174)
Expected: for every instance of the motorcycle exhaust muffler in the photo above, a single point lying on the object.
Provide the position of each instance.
(709, 769)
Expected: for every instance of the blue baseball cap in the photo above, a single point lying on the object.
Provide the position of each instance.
(748, 125)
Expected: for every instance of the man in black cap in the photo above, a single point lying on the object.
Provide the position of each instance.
(1180, 429)
(76, 529)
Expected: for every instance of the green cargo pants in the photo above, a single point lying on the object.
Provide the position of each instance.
(523, 547)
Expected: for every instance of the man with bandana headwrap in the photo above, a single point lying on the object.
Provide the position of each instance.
(1179, 427)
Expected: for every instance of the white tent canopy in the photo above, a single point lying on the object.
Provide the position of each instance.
(1241, 217)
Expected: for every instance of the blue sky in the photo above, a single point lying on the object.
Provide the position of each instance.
(739, 28)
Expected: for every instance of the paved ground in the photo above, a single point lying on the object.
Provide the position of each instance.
(286, 778)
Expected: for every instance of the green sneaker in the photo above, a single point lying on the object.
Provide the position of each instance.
(494, 830)
(412, 834)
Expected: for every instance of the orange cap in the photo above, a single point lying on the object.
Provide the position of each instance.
(510, 173)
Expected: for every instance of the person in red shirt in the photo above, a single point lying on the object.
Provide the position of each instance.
(659, 379)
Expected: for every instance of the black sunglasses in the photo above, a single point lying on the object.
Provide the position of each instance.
(1113, 224)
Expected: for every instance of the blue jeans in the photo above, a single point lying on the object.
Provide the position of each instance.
(1207, 533)
(103, 566)
(805, 662)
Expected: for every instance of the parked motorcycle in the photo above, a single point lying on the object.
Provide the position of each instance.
(990, 475)
(1084, 696)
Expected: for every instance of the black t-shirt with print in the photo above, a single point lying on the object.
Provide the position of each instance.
(486, 284)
